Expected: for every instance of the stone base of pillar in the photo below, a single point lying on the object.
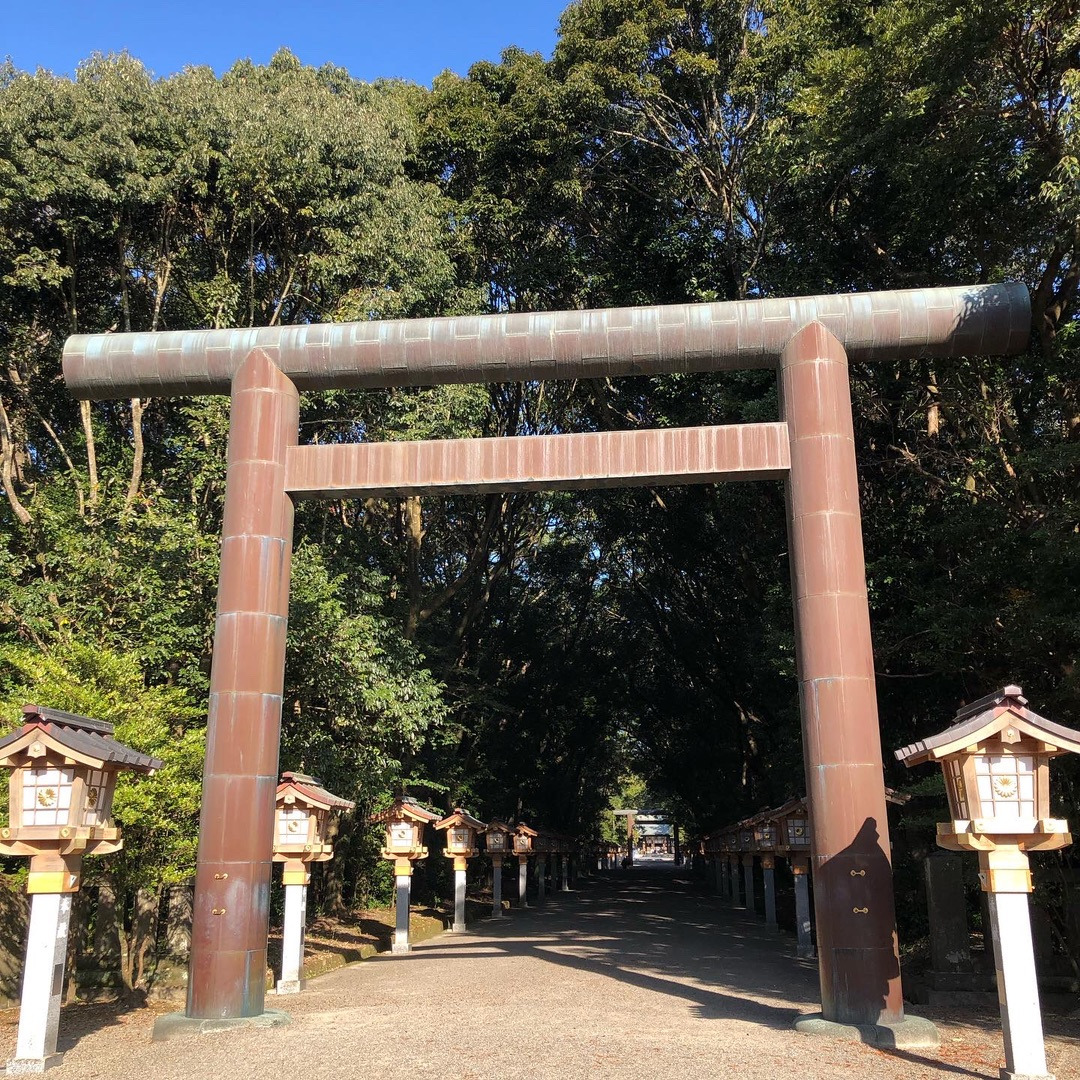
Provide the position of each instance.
(1006, 1074)
(911, 1033)
(400, 948)
(178, 1025)
(30, 1066)
(458, 928)
(289, 986)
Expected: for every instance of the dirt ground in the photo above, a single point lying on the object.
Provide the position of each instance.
(632, 976)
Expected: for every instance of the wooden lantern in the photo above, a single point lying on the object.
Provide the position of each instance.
(60, 792)
(765, 831)
(498, 838)
(746, 836)
(995, 758)
(461, 831)
(304, 820)
(405, 821)
(524, 837)
(792, 828)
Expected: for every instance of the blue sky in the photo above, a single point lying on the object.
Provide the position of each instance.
(410, 39)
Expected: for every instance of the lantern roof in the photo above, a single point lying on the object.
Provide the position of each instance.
(521, 827)
(498, 826)
(982, 719)
(405, 806)
(80, 738)
(460, 817)
(312, 792)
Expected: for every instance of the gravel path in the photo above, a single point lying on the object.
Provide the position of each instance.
(631, 977)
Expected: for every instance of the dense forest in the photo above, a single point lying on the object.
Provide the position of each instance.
(530, 656)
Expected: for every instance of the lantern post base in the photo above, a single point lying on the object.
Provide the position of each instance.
(43, 984)
(32, 1066)
(179, 1025)
(910, 1033)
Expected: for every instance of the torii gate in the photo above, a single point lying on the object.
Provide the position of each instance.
(807, 340)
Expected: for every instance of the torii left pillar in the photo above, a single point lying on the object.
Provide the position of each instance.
(232, 880)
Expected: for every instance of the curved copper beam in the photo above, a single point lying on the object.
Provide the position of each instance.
(982, 319)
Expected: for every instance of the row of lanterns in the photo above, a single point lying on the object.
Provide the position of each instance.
(783, 831)
(406, 820)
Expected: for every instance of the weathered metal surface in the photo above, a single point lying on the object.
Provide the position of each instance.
(986, 319)
(858, 959)
(538, 462)
(240, 777)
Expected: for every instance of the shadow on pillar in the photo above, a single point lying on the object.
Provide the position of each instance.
(859, 921)
(860, 974)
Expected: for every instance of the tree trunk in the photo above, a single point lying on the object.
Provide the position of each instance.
(137, 459)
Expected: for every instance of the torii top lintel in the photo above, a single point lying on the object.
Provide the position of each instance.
(957, 321)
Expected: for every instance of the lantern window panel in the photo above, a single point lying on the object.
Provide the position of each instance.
(400, 836)
(46, 798)
(1006, 784)
(292, 826)
(798, 834)
(95, 811)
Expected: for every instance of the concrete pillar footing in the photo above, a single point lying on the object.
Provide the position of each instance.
(178, 1025)
(29, 1066)
(911, 1033)
(400, 949)
(1006, 1074)
(289, 986)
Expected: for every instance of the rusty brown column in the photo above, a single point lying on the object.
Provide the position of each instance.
(858, 960)
(232, 881)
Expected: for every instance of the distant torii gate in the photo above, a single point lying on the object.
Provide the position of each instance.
(646, 817)
(812, 447)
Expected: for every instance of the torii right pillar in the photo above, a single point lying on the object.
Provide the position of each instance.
(856, 921)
